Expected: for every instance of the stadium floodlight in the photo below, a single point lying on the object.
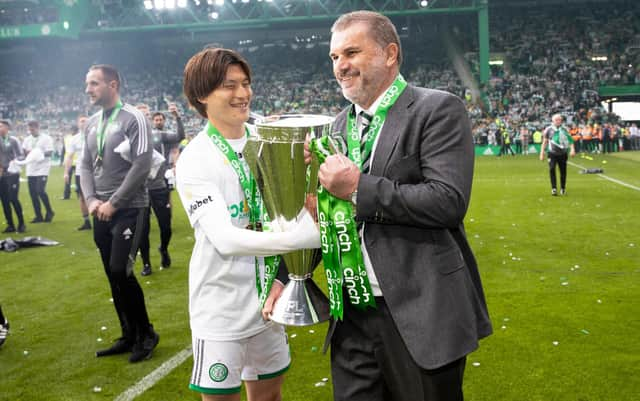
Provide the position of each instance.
(424, 3)
(148, 4)
(182, 3)
(170, 4)
(158, 4)
(214, 15)
(219, 2)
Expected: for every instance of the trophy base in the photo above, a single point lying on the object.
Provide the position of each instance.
(302, 303)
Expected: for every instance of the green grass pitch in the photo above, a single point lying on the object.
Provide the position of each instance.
(561, 276)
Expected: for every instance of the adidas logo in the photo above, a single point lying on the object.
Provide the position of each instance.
(127, 233)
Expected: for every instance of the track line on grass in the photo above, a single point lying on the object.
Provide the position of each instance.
(152, 378)
(624, 184)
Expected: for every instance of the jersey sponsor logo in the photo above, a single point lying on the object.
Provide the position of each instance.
(127, 233)
(218, 372)
(239, 210)
(198, 203)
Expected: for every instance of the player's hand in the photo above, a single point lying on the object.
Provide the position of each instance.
(173, 109)
(541, 157)
(66, 178)
(572, 153)
(274, 295)
(339, 175)
(93, 207)
(105, 211)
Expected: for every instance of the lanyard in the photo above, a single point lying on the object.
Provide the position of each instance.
(253, 202)
(101, 135)
(356, 154)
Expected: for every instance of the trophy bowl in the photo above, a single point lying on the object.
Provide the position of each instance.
(275, 155)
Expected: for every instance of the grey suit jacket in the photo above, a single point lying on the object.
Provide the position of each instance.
(413, 203)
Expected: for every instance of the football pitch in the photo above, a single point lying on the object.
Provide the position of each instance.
(561, 276)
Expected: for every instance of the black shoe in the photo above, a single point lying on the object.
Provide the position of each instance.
(22, 228)
(554, 192)
(121, 346)
(85, 226)
(165, 259)
(37, 220)
(146, 269)
(49, 217)
(9, 229)
(143, 348)
(4, 331)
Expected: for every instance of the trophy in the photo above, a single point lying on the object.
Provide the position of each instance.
(276, 158)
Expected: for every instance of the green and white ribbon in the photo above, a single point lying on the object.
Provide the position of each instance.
(340, 246)
(253, 203)
(341, 252)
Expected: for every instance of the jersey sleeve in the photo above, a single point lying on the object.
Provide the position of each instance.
(208, 211)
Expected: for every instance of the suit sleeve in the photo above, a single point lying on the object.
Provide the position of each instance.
(431, 187)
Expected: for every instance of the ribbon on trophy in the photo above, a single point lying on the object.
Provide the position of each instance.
(341, 252)
(340, 245)
(253, 204)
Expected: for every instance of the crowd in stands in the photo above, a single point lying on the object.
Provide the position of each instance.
(554, 61)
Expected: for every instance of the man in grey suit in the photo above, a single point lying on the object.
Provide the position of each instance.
(410, 186)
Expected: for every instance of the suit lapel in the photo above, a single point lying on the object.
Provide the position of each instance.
(388, 137)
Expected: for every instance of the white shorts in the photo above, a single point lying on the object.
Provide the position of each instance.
(219, 367)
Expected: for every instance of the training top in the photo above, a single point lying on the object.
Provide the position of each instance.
(164, 142)
(9, 149)
(117, 180)
(223, 299)
(45, 144)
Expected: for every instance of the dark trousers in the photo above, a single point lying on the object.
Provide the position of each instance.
(159, 202)
(561, 162)
(9, 189)
(370, 362)
(37, 191)
(116, 239)
(66, 194)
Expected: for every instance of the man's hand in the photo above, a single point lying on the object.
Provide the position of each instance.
(105, 211)
(173, 109)
(339, 175)
(274, 295)
(93, 207)
(307, 151)
(66, 178)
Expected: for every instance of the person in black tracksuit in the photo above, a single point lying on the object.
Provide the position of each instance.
(115, 164)
(10, 149)
(164, 142)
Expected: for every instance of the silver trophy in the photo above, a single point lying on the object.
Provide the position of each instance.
(276, 158)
